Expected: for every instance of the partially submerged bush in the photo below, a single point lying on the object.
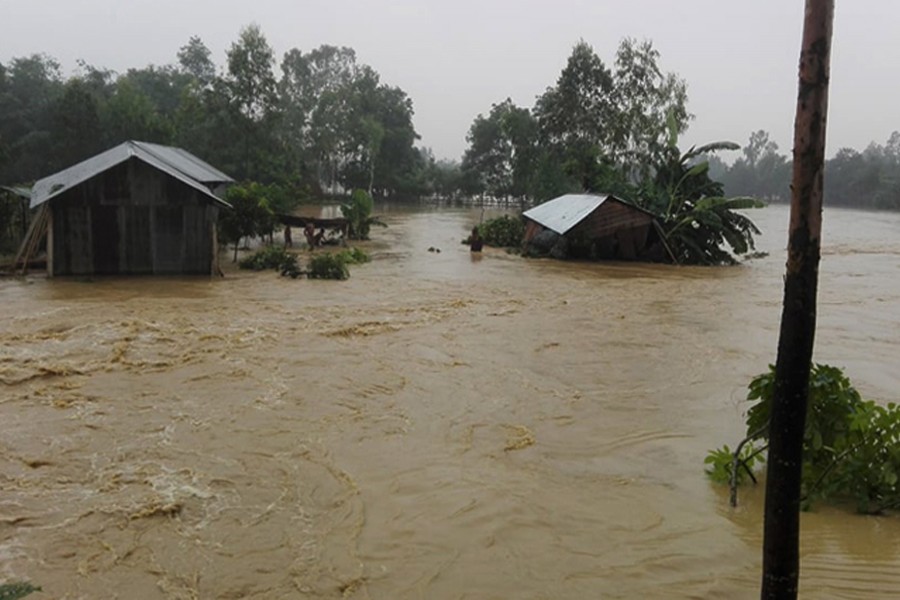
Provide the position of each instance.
(269, 257)
(321, 266)
(502, 232)
(851, 447)
(14, 591)
(328, 266)
(353, 256)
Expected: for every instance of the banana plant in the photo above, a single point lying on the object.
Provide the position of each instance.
(697, 219)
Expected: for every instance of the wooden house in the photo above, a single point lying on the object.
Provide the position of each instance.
(137, 208)
(595, 226)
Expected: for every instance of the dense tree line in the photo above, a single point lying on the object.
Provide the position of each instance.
(324, 123)
(608, 129)
(599, 128)
(321, 122)
(867, 179)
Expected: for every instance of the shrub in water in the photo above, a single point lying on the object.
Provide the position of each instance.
(290, 268)
(328, 266)
(503, 232)
(14, 591)
(353, 256)
(851, 446)
(269, 257)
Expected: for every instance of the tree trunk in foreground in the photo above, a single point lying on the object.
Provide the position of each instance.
(781, 554)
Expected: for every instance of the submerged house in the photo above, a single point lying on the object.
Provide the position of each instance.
(593, 226)
(137, 208)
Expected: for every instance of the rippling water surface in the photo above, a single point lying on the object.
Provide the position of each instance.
(439, 426)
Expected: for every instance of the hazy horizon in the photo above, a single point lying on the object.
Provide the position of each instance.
(454, 62)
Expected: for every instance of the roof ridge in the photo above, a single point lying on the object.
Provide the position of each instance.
(51, 186)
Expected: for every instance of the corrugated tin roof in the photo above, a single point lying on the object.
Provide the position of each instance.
(563, 213)
(187, 163)
(178, 163)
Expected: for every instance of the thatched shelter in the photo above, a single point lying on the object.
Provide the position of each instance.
(593, 226)
(137, 208)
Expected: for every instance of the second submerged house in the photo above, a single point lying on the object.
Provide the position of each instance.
(593, 226)
(137, 208)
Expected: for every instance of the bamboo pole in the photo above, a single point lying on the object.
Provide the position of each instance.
(781, 553)
(36, 230)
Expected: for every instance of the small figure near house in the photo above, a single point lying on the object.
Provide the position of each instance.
(320, 236)
(475, 241)
(288, 242)
(310, 232)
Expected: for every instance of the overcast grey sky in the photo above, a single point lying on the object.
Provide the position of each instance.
(456, 58)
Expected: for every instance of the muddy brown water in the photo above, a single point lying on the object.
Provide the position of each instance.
(441, 425)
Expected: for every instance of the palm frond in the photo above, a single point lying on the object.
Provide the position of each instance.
(709, 148)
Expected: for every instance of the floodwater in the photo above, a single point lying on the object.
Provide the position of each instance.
(439, 426)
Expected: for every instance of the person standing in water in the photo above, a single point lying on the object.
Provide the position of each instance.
(475, 241)
(310, 232)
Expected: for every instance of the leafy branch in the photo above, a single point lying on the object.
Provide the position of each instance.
(851, 446)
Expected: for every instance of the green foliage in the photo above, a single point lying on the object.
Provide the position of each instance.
(619, 116)
(761, 171)
(194, 58)
(862, 179)
(698, 221)
(269, 257)
(328, 266)
(597, 130)
(358, 211)
(250, 214)
(353, 256)
(552, 179)
(14, 591)
(700, 229)
(503, 232)
(851, 447)
(327, 121)
(720, 463)
(502, 151)
(250, 75)
(321, 266)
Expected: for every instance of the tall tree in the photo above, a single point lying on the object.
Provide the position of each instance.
(575, 117)
(647, 103)
(502, 150)
(207, 123)
(389, 139)
(332, 71)
(76, 126)
(33, 85)
(250, 75)
(609, 127)
(194, 59)
(296, 102)
(781, 555)
(130, 115)
(578, 110)
(252, 85)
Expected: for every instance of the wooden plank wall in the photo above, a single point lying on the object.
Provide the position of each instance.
(611, 217)
(133, 219)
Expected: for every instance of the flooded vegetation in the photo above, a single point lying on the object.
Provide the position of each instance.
(440, 425)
